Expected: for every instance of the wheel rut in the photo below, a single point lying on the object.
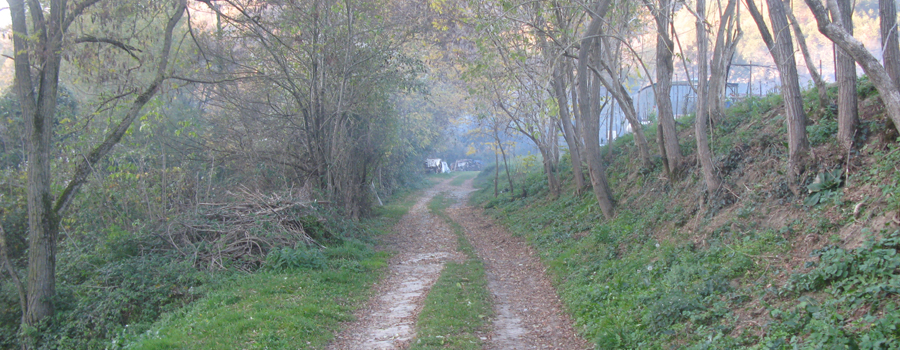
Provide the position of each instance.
(528, 312)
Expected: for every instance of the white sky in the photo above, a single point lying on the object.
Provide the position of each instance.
(4, 14)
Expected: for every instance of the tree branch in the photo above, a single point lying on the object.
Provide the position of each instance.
(125, 47)
(83, 169)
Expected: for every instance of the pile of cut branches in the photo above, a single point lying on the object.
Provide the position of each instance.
(239, 234)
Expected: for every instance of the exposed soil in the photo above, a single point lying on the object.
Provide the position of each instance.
(528, 312)
(423, 244)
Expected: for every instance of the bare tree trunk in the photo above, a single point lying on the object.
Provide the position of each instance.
(588, 99)
(821, 88)
(845, 74)
(550, 169)
(703, 151)
(618, 91)
(572, 139)
(496, 173)
(670, 149)
(890, 93)
(782, 52)
(887, 11)
(727, 38)
(512, 189)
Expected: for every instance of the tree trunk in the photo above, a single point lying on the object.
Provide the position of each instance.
(727, 37)
(588, 99)
(887, 11)
(664, 71)
(572, 139)
(845, 73)
(506, 167)
(496, 173)
(821, 88)
(703, 151)
(781, 48)
(39, 106)
(550, 169)
(618, 91)
(889, 91)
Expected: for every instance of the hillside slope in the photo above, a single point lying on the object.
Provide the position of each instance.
(756, 266)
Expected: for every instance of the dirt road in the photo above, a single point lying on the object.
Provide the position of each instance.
(528, 311)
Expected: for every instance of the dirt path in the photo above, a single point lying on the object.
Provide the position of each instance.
(528, 311)
(529, 314)
(424, 243)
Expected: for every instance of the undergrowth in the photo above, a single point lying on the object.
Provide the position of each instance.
(297, 299)
(665, 274)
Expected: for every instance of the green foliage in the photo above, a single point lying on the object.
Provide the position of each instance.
(864, 278)
(823, 131)
(295, 258)
(824, 187)
(885, 176)
(865, 88)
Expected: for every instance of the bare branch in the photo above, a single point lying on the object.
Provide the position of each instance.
(125, 47)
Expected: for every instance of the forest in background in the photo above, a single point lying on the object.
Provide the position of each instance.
(199, 137)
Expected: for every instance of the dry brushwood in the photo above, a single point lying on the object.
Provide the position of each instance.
(241, 233)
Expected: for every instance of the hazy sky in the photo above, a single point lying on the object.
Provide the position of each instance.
(4, 14)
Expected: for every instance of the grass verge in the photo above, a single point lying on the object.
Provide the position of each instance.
(269, 310)
(458, 306)
(299, 306)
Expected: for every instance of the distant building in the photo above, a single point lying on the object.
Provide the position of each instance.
(466, 165)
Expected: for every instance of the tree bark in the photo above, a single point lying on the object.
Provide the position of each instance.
(887, 11)
(781, 48)
(664, 71)
(703, 151)
(626, 104)
(727, 38)
(821, 88)
(889, 91)
(588, 99)
(845, 74)
(572, 139)
(39, 106)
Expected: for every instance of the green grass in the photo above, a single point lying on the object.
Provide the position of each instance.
(280, 308)
(649, 279)
(458, 306)
(462, 177)
(268, 310)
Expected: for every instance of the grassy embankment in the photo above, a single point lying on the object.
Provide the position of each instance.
(458, 306)
(297, 301)
(756, 267)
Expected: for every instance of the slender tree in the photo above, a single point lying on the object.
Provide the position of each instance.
(727, 37)
(40, 44)
(662, 14)
(821, 88)
(781, 48)
(588, 103)
(889, 91)
(845, 74)
(700, 125)
(887, 12)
